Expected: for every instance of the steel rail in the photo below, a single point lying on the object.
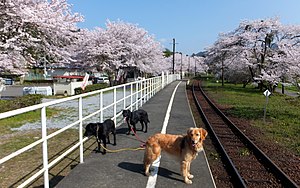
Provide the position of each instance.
(237, 178)
(267, 162)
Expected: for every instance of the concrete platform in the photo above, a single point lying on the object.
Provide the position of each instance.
(125, 169)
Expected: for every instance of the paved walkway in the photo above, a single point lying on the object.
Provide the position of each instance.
(288, 93)
(125, 169)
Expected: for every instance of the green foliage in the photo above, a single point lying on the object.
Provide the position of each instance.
(33, 82)
(167, 53)
(214, 155)
(18, 120)
(244, 152)
(20, 102)
(90, 88)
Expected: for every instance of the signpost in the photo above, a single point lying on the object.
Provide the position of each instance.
(266, 93)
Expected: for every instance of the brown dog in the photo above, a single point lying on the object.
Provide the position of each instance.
(185, 147)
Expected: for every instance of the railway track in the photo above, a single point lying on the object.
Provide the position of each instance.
(247, 165)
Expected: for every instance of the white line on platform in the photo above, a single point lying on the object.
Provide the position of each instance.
(152, 178)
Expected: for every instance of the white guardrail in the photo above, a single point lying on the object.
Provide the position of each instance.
(133, 95)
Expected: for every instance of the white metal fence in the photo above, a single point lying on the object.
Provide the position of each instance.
(127, 96)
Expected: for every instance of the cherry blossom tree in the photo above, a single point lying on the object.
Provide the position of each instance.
(185, 63)
(225, 59)
(265, 50)
(32, 30)
(119, 46)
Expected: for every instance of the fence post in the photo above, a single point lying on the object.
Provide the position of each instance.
(45, 147)
(141, 93)
(131, 97)
(124, 96)
(101, 106)
(115, 105)
(162, 80)
(168, 78)
(80, 130)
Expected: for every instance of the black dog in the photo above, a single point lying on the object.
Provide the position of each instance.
(136, 116)
(101, 131)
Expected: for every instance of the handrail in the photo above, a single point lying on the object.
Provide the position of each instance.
(139, 92)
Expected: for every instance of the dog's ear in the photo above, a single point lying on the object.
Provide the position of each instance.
(203, 133)
(189, 131)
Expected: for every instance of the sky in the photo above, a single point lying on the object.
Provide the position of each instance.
(195, 24)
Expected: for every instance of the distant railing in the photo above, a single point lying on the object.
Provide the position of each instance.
(127, 96)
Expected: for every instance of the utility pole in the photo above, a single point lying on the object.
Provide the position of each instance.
(181, 66)
(173, 56)
(195, 66)
(189, 64)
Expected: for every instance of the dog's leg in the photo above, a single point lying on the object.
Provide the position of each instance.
(108, 141)
(142, 123)
(129, 128)
(134, 129)
(99, 145)
(98, 149)
(104, 144)
(146, 127)
(147, 168)
(184, 171)
(148, 160)
(152, 152)
(114, 134)
(190, 176)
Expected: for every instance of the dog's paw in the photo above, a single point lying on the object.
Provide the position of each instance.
(128, 133)
(188, 181)
(190, 176)
(145, 131)
(114, 144)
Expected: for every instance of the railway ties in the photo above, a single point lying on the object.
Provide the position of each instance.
(249, 166)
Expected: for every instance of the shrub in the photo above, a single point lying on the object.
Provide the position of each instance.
(20, 102)
(90, 88)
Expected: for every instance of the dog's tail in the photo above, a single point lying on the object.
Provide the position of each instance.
(152, 150)
(148, 120)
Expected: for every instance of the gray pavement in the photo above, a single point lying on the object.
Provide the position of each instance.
(125, 169)
(288, 93)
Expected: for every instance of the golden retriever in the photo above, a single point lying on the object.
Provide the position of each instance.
(184, 147)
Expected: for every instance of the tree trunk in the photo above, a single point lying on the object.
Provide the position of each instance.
(222, 73)
(282, 87)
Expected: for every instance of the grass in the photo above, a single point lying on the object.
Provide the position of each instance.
(16, 121)
(282, 114)
(20, 168)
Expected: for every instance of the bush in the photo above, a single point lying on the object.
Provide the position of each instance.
(20, 102)
(90, 88)
(33, 82)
